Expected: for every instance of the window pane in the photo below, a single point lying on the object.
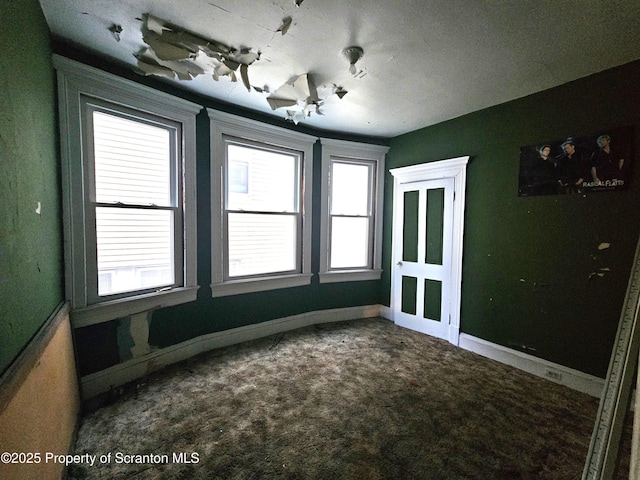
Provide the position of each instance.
(261, 180)
(132, 161)
(261, 243)
(349, 189)
(349, 242)
(135, 249)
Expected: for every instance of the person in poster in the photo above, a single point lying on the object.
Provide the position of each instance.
(590, 163)
(538, 171)
(573, 167)
(606, 162)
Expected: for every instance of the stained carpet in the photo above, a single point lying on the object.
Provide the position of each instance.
(362, 399)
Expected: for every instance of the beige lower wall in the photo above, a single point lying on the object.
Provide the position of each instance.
(41, 414)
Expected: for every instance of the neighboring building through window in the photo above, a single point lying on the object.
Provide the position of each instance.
(261, 213)
(352, 190)
(262, 210)
(129, 194)
(136, 201)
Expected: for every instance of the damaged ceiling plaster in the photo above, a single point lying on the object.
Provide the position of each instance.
(424, 62)
(173, 52)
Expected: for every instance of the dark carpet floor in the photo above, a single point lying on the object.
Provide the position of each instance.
(362, 399)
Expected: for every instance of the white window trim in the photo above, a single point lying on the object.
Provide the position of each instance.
(358, 151)
(221, 124)
(74, 80)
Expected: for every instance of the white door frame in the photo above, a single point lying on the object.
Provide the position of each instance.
(455, 168)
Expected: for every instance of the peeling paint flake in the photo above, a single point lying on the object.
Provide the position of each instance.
(175, 52)
(340, 92)
(604, 246)
(244, 74)
(286, 23)
(186, 68)
(247, 57)
(300, 91)
(276, 103)
(149, 67)
(231, 64)
(596, 274)
(115, 30)
(164, 50)
(154, 24)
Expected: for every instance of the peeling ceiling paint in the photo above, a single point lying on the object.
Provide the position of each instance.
(425, 62)
(173, 52)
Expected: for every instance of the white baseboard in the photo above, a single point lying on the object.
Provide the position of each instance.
(575, 379)
(385, 312)
(118, 375)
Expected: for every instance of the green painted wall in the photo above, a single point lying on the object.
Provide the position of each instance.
(30, 243)
(97, 346)
(527, 260)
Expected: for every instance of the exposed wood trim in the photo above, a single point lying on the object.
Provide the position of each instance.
(15, 375)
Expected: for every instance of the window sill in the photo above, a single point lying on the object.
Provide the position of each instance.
(122, 307)
(349, 276)
(236, 287)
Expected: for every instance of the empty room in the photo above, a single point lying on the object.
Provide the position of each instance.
(294, 239)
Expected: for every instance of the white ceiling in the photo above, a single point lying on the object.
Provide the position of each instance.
(425, 61)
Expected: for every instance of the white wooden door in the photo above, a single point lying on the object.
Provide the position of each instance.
(422, 248)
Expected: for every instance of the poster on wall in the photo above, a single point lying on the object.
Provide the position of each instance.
(577, 164)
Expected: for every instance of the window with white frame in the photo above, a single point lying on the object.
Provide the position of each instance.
(132, 165)
(262, 210)
(261, 217)
(352, 189)
(128, 155)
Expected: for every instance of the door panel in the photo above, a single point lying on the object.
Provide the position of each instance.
(410, 227)
(409, 294)
(421, 279)
(434, 224)
(433, 299)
